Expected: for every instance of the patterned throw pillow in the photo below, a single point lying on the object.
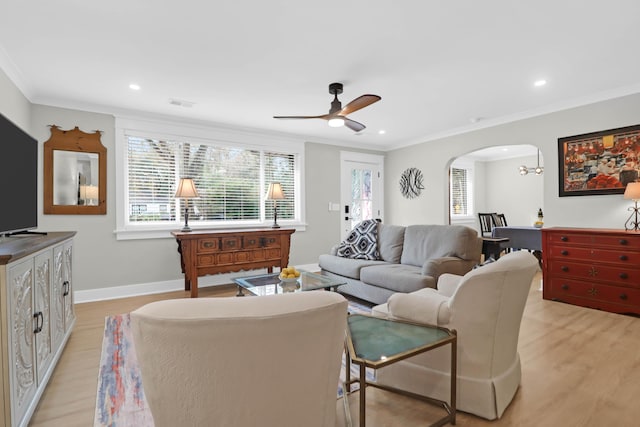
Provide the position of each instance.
(362, 242)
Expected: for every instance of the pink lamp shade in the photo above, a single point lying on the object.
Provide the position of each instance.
(632, 191)
(186, 189)
(275, 191)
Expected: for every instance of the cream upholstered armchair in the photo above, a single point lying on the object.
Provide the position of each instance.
(485, 307)
(267, 361)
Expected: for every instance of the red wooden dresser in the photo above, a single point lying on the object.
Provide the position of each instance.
(592, 267)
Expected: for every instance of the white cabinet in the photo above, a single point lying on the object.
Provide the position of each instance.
(36, 317)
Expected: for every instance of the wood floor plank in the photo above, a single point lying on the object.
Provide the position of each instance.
(580, 367)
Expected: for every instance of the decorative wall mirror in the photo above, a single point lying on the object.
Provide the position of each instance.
(75, 173)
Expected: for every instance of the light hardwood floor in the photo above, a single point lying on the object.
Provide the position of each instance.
(580, 367)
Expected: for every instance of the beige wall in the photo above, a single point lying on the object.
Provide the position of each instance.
(104, 262)
(101, 261)
(433, 159)
(13, 104)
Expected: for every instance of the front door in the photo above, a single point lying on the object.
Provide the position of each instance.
(361, 192)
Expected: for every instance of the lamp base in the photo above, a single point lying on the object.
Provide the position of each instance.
(275, 225)
(633, 222)
(186, 218)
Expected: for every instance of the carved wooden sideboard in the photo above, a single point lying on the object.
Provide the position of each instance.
(590, 267)
(205, 252)
(36, 317)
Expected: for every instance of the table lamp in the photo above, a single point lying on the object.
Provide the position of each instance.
(186, 190)
(632, 192)
(275, 193)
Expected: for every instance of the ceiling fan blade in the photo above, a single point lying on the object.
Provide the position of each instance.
(358, 103)
(353, 125)
(324, 116)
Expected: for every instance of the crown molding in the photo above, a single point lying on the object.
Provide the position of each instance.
(14, 74)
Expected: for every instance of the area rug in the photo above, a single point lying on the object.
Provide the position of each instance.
(120, 400)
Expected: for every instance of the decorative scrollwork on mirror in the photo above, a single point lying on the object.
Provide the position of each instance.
(75, 173)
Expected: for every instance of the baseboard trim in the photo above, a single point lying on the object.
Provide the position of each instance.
(117, 292)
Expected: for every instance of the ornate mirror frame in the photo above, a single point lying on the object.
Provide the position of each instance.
(58, 150)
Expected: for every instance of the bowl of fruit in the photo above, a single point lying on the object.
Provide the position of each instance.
(289, 279)
(289, 275)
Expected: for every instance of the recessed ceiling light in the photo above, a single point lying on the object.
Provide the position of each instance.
(382, 131)
(539, 83)
(134, 86)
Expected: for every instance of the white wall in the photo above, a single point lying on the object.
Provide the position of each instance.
(433, 159)
(518, 197)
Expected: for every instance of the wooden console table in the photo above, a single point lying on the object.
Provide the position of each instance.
(205, 252)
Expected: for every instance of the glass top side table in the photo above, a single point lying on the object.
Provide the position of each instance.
(375, 342)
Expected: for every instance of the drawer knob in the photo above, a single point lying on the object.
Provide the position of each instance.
(623, 297)
(564, 268)
(565, 287)
(623, 257)
(623, 241)
(564, 238)
(252, 241)
(623, 275)
(563, 252)
(208, 244)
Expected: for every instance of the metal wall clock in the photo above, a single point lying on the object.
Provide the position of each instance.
(411, 183)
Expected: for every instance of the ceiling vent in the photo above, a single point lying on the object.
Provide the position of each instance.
(181, 103)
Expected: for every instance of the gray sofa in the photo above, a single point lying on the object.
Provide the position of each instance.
(411, 258)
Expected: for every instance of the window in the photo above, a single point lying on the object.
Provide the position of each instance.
(231, 179)
(460, 192)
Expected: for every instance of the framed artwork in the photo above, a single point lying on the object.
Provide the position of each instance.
(599, 162)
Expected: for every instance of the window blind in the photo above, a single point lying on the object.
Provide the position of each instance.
(459, 192)
(231, 182)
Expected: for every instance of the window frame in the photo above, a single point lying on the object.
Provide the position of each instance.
(126, 126)
(470, 168)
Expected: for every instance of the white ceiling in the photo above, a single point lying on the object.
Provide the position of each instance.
(440, 67)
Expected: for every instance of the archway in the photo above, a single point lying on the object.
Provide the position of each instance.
(491, 180)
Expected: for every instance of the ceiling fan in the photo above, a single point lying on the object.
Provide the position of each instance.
(337, 115)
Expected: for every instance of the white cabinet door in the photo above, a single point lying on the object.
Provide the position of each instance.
(42, 314)
(67, 285)
(57, 300)
(62, 312)
(22, 355)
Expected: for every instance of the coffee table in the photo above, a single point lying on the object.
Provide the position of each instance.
(270, 284)
(374, 342)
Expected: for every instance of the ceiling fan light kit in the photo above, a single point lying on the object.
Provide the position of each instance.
(337, 116)
(336, 122)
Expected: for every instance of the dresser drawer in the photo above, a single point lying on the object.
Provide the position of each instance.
(208, 245)
(592, 271)
(230, 243)
(598, 240)
(568, 290)
(622, 256)
(252, 242)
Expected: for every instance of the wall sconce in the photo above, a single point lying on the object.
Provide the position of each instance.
(275, 193)
(632, 192)
(538, 170)
(186, 190)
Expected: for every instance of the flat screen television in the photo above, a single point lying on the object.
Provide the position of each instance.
(18, 179)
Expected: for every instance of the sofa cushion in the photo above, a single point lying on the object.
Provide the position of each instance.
(390, 241)
(422, 242)
(345, 266)
(397, 277)
(362, 242)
